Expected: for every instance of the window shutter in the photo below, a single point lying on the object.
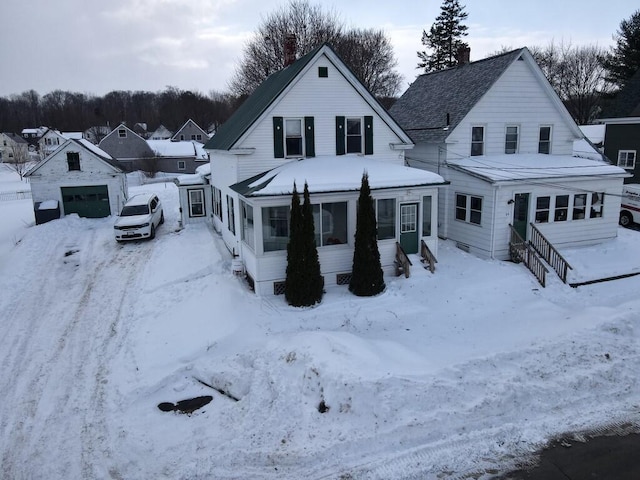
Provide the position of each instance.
(309, 137)
(278, 137)
(368, 135)
(340, 136)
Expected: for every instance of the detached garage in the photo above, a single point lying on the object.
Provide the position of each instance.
(82, 178)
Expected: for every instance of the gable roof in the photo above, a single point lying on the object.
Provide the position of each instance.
(437, 102)
(443, 98)
(175, 135)
(228, 134)
(15, 137)
(85, 145)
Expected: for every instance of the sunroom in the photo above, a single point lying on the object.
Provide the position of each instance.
(405, 201)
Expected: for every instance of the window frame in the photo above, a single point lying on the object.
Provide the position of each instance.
(325, 221)
(192, 203)
(477, 142)
(122, 133)
(231, 215)
(516, 146)
(389, 221)
(275, 219)
(299, 137)
(467, 210)
(217, 203)
(182, 165)
(75, 166)
(359, 135)
(547, 141)
(625, 164)
(543, 213)
(247, 226)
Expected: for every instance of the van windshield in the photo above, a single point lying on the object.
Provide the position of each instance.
(130, 210)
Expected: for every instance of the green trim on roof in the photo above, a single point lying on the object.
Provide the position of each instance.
(254, 106)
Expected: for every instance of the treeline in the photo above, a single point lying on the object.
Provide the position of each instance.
(75, 112)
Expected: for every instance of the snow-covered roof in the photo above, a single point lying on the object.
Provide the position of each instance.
(595, 133)
(499, 168)
(335, 174)
(186, 148)
(94, 148)
(74, 135)
(584, 149)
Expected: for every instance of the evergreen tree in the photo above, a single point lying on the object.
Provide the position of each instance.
(624, 59)
(303, 285)
(444, 38)
(366, 274)
(313, 282)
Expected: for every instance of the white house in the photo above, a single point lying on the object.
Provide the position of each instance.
(498, 132)
(81, 178)
(314, 122)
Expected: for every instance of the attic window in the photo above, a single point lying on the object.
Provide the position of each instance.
(323, 72)
(122, 133)
(73, 160)
(520, 59)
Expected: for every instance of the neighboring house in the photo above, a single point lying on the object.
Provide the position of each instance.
(12, 144)
(622, 144)
(96, 133)
(141, 129)
(160, 133)
(195, 195)
(81, 178)
(498, 132)
(127, 146)
(191, 131)
(50, 141)
(177, 156)
(32, 136)
(315, 122)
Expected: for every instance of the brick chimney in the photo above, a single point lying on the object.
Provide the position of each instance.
(463, 55)
(289, 49)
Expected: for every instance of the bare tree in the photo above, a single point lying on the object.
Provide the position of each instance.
(577, 75)
(312, 26)
(19, 158)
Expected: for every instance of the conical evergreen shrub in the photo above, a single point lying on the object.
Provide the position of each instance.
(367, 278)
(303, 285)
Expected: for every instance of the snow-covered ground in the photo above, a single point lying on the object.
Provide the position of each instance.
(458, 374)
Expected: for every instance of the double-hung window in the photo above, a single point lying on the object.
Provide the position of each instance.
(469, 208)
(196, 203)
(562, 208)
(217, 202)
(477, 141)
(354, 135)
(511, 139)
(544, 139)
(543, 205)
(122, 133)
(579, 206)
(597, 204)
(293, 137)
(73, 160)
(627, 159)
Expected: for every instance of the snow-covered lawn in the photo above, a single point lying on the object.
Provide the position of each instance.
(448, 375)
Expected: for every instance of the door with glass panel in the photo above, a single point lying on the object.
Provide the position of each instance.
(409, 227)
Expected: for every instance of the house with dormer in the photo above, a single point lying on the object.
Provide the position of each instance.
(497, 131)
(78, 177)
(314, 122)
(190, 131)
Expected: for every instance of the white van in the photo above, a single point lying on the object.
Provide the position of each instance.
(630, 206)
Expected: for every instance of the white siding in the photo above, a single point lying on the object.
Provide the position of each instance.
(53, 174)
(323, 99)
(517, 98)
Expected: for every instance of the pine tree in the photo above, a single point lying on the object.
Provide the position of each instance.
(303, 285)
(366, 274)
(624, 59)
(444, 38)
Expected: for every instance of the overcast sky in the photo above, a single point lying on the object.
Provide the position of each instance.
(98, 46)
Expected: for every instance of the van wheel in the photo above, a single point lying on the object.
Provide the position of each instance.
(153, 232)
(626, 219)
(161, 218)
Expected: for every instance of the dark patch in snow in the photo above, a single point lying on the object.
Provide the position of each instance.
(323, 407)
(68, 253)
(187, 406)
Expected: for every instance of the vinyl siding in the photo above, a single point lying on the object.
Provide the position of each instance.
(517, 98)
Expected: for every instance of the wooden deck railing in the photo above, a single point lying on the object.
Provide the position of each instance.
(427, 257)
(549, 253)
(402, 262)
(521, 251)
